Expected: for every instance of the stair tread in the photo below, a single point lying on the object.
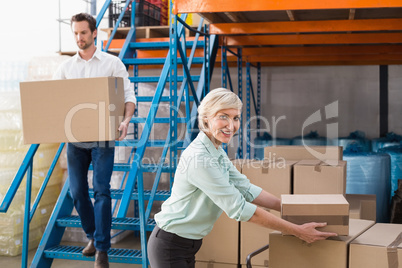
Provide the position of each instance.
(127, 223)
(128, 220)
(156, 61)
(162, 45)
(124, 167)
(117, 193)
(116, 255)
(155, 79)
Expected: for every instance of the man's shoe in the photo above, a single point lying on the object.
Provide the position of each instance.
(90, 249)
(101, 259)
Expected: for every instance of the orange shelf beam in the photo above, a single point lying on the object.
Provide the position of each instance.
(326, 60)
(307, 26)
(197, 6)
(313, 39)
(285, 52)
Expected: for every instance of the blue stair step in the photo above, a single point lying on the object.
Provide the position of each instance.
(117, 223)
(162, 45)
(161, 195)
(116, 255)
(159, 61)
(124, 167)
(155, 79)
(159, 120)
(150, 143)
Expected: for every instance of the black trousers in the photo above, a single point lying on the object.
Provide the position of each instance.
(167, 250)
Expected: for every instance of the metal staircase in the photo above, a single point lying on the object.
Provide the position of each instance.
(183, 94)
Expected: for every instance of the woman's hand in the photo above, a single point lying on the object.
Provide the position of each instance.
(310, 234)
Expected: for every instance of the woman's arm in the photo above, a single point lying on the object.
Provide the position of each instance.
(306, 232)
(268, 200)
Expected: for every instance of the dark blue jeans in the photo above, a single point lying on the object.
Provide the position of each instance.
(96, 219)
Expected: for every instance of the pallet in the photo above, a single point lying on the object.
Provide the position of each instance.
(144, 32)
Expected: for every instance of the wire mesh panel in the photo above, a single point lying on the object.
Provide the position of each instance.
(146, 14)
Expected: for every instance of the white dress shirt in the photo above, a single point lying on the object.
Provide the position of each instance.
(101, 64)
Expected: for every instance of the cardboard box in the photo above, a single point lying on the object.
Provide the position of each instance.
(199, 264)
(221, 245)
(380, 246)
(238, 163)
(290, 251)
(297, 153)
(362, 206)
(252, 238)
(332, 209)
(275, 178)
(72, 110)
(318, 177)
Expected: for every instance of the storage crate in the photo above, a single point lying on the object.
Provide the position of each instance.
(146, 14)
(164, 9)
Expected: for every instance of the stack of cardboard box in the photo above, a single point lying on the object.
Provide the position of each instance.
(287, 171)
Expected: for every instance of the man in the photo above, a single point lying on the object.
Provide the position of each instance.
(96, 219)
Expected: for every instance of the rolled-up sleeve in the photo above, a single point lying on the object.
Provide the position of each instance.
(210, 177)
(120, 71)
(243, 184)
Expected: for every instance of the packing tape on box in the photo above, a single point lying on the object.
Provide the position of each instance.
(330, 220)
(392, 252)
(115, 85)
(318, 167)
(265, 166)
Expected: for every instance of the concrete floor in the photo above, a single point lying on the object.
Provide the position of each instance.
(128, 242)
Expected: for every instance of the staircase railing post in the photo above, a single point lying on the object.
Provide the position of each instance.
(27, 219)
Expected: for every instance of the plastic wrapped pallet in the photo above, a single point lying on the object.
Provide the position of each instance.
(266, 140)
(358, 138)
(369, 173)
(12, 153)
(395, 152)
(391, 139)
(311, 139)
(12, 245)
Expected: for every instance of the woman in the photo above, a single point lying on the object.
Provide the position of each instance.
(206, 184)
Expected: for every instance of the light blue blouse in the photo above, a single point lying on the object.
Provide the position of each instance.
(205, 184)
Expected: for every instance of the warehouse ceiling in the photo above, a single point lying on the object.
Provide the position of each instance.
(310, 32)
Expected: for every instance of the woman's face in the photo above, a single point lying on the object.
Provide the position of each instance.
(223, 125)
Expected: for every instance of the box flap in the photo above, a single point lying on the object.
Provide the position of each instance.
(313, 199)
(381, 234)
(309, 162)
(293, 152)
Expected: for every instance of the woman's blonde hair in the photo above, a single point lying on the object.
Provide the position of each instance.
(216, 100)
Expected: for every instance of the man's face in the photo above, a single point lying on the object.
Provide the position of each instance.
(83, 35)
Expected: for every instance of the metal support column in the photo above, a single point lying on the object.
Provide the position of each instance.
(383, 100)
(224, 82)
(240, 94)
(248, 106)
(258, 99)
(173, 96)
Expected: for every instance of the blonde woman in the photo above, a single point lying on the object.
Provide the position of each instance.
(206, 184)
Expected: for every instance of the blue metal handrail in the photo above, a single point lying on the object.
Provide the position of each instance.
(118, 23)
(26, 168)
(15, 184)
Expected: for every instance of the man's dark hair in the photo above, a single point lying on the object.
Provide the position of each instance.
(85, 17)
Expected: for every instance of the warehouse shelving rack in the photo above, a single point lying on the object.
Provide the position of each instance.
(264, 33)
